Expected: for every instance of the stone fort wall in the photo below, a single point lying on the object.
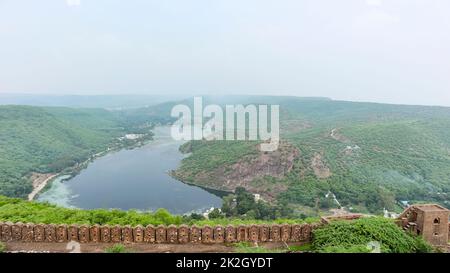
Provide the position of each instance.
(155, 234)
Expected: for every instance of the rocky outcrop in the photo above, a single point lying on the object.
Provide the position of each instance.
(319, 167)
(247, 172)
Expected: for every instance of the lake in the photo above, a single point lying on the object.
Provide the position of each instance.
(133, 179)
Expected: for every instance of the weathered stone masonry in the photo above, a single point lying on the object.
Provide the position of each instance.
(428, 220)
(155, 234)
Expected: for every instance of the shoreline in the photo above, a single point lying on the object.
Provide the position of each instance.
(217, 192)
(38, 186)
(77, 168)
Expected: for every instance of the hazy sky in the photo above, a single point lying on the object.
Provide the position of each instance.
(394, 51)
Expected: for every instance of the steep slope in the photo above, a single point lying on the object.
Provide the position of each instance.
(369, 155)
(46, 140)
(234, 165)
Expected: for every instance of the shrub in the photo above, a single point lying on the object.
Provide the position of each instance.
(345, 249)
(2, 247)
(216, 214)
(353, 236)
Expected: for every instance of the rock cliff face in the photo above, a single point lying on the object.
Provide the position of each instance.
(275, 164)
(247, 171)
(321, 170)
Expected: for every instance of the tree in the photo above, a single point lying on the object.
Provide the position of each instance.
(216, 214)
(244, 200)
(229, 205)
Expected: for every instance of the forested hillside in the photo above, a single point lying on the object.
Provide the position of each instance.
(371, 156)
(47, 140)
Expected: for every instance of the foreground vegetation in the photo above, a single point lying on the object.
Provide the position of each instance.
(51, 139)
(18, 210)
(242, 204)
(117, 248)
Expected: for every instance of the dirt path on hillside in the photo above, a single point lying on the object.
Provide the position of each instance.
(336, 135)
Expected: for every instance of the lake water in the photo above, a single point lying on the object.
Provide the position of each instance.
(133, 179)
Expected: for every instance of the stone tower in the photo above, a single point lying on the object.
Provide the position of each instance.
(428, 220)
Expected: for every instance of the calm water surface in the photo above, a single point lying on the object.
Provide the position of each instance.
(133, 179)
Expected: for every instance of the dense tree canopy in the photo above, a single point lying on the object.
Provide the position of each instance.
(48, 140)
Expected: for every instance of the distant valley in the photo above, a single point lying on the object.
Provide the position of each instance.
(367, 156)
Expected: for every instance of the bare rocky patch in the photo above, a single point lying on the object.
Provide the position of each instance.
(319, 167)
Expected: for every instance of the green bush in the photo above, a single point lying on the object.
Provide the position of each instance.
(396, 153)
(353, 236)
(2, 247)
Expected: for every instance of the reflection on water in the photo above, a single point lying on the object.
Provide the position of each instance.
(133, 179)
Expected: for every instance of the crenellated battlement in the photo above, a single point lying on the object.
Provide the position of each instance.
(172, 234)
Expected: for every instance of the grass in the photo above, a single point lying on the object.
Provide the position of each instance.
(2, 247)
(117, 248)
(237, 221)
(301, 248)
(18, 210)
(247, 247)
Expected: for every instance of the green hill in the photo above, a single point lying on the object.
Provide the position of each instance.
(369, 155)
